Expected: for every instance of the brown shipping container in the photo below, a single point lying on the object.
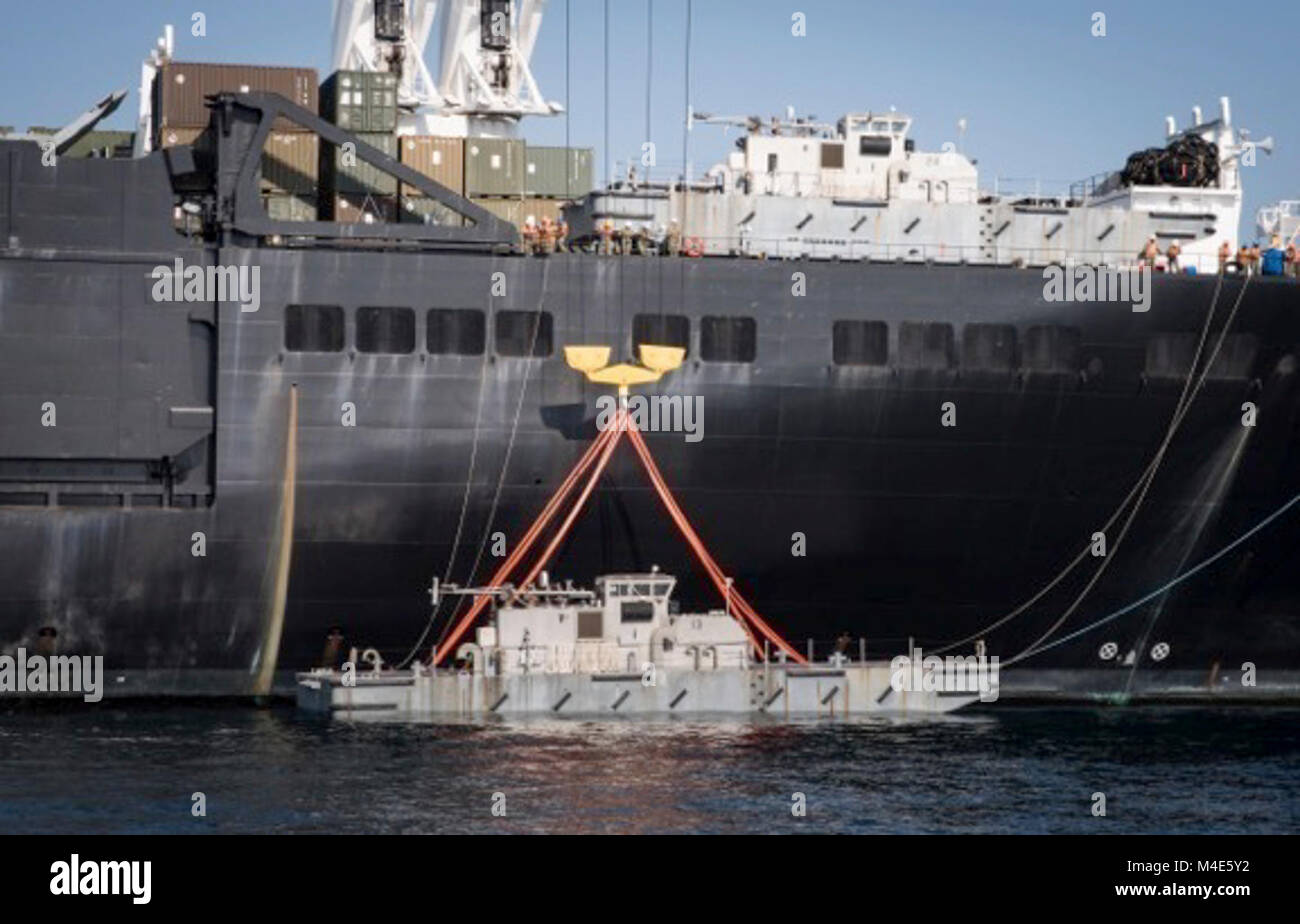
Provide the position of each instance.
(179, 89)
(291, 162)
(510, 210)
(537, 209)
(366, 209)
(174, 136)
(440, 159)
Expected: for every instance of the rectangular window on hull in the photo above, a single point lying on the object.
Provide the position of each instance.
(1052, 348)
(313, 328)
(385, 330)
(988, 347)
(859, 343)
(728, 340)
(517, 331)
(1236, 357)
(1170, 355)
(456, 331)
(925, 345)
(662, 330)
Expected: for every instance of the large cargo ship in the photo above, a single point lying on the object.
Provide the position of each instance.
(899, 421)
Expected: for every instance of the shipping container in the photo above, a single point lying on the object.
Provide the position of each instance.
(358, 176)
(538, 209)
(494, 167)
(510, 210)
(360, 101)
(558, 172)
(291, 162)
(420, 210)
(179, 90)
(352, 209)
(284, 207)
(171, 137)
(440, 159)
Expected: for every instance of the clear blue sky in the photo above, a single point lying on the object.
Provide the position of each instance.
(1042, 96)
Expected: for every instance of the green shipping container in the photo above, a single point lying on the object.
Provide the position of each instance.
(558, 173)
(420, 210)
(360, 101)
(358, 176)
(494, 167)
(282, 207)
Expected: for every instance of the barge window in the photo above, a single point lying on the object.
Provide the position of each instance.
(662, 330)
(1052, 348)
(313, 328)
(385, 330)
(832, 155)
(637, 611)
(728, 340)
(925, 345)
(859, 343)
(516, 331)
(456, 331)
(988, 347)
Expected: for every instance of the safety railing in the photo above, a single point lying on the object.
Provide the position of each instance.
(831, 247)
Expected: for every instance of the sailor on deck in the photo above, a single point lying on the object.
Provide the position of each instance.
(1150, 252)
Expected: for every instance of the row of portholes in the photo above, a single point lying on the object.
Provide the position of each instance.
(1109, 650)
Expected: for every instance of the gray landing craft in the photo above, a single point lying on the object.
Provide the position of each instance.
(136, 433)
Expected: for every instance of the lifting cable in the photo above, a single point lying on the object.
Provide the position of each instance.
(1181, 409)
(1147, 598)
(598, 454)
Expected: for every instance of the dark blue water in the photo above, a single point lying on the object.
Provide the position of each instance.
(133, 770)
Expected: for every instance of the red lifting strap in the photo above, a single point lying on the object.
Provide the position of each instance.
(603, 447)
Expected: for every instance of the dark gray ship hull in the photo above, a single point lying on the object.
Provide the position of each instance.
(913, 529)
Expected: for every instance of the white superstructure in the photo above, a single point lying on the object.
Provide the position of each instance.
(859, 189)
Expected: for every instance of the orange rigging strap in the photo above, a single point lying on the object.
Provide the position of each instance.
(599, 452)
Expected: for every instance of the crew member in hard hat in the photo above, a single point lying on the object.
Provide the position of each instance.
(1292, 261)
(562, 236)
(674, 242)
(625, 239)
(606, 237)
(1225, 254)
(1172, 255)
(546, 236)
(1150, 252)
(530, 235)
